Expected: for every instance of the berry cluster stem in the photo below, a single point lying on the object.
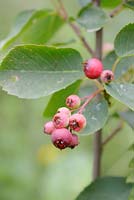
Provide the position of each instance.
(89, 98)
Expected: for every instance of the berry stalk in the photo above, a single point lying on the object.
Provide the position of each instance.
(89, 98)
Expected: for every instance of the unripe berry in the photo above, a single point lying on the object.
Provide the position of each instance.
(64, 110)
(60, 120)
(74, 142)
(107, 76)
(61, 138)
(77, 122)
(93, 68)
(73, 101)
(49, 127)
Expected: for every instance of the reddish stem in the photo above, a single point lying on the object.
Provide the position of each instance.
(89, 99)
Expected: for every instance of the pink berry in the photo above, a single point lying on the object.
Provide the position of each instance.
(107, 76)
(60, 120)
(73, 101)
(74, 142)
(93, 68)
(49, 127)
(77, 122)
(64, 110)
(61, 138)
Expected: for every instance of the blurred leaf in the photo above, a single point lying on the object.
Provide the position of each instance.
(128, 116)
(58, 44)
(131, 197)
(32, 71)
(96, 114)
(58, 99)
(109, 60)
(125, 65)
(84, 2)
(96, 111)
(33, 26)
(92, 18)
(130, 177)
(110, 4)
(131, 164)
(131, 148)
(129, 4)
(122, 92)
(108, 188)
(124, 41)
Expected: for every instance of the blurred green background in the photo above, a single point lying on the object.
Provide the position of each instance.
(30, 167)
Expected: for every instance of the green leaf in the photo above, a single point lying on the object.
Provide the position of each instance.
(58, 99)
(33, 26)
(92, 18)
(131, 164)
(109, 60)
(129, 4)
(122, 92)
(32, 71)
(96, 112)
(84, 2)
(108, 188)
(110, 4)
(124, 41)
(131, 197)
(125, 66)
(128, 116)
(130, 178)
(131, 148)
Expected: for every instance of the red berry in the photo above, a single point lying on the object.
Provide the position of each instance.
(74, 142)
(93, 68)
(49, 127)
(77, 122)
(73, 101)
(60, 120)
(64, 110)
(61, 138)
(107, 76)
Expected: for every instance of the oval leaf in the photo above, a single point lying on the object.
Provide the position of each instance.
(84, 2)
(124, 41)
(109, 60)
(108, 188)
(92, 18)
(58, 99)
(32, 71)
(96, 112)
(125, 66)
(129, 4)
(122, 92)
(128, 116)
(110, 4)
(33, 26)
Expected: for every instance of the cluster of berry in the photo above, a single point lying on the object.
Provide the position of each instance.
(63, 124)
(93, 68)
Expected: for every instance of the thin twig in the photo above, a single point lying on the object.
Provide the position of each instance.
(89, 98)
(116, 11)
(63, 13)
(113, 133)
